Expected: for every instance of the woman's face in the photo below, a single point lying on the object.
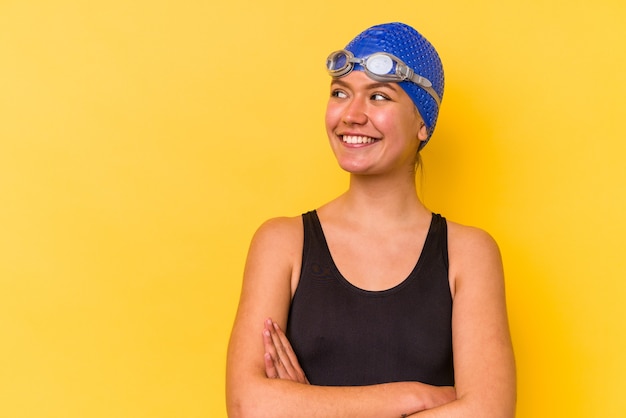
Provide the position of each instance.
(373, 127)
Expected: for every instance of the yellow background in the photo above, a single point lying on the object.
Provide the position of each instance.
(142, 143)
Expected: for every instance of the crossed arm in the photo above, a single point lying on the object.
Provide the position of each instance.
(285, 391)
(264, 378)
(281, 363)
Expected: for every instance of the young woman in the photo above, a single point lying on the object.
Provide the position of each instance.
(388, 309)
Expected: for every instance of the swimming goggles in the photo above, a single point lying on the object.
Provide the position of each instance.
(379, 66)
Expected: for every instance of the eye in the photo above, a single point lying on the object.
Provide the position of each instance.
(379, 97)
(338, 93)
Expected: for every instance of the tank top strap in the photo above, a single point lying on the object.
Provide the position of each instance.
(438, 239)
(314, 239)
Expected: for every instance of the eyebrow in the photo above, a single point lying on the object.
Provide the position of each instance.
(369, 86)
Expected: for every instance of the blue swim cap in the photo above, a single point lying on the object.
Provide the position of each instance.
(411, 47)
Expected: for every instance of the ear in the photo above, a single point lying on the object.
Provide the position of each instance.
(422, 134)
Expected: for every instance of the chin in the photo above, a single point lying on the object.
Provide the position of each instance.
(353, 168)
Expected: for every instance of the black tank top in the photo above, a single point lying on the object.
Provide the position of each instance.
(347, 336)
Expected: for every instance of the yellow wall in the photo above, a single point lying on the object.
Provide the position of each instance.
(142, 142)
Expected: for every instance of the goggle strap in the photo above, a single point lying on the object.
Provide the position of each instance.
(432, 93)
(423, 82)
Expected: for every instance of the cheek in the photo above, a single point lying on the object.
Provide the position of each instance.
(332, 117)
(413, 123)
(386, 123)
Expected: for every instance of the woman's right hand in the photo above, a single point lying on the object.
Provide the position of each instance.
(280, 359)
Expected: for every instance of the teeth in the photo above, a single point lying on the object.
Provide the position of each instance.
(353, 139)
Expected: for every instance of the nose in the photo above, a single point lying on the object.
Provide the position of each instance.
(355, 112)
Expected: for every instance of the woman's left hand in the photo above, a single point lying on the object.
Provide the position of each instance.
(280, 360)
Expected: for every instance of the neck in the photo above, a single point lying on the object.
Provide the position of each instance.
(376, 200)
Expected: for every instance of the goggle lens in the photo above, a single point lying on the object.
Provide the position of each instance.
(379, 64)
(338, 63)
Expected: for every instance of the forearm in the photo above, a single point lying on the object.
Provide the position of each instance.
(490, 397)
(276, 398)
(283, 390)
(499, 406)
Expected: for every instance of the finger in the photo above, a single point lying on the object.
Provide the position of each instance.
(292, 360)
(268, 345)
(274, 348)
(284, 360)
(270, 369)
(273, 366)
(283, 349)
(277, 351)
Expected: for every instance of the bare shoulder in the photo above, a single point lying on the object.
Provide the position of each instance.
(282, 232)
(272, 265)
(276, 250)
(470, 239)
(473, 254)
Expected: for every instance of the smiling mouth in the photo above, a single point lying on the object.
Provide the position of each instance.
(357, 139)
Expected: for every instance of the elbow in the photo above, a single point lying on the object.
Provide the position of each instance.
(233, 408)
(242, 394)
(240, 405)
(487, 406)
(254, 396)
(238, 409)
